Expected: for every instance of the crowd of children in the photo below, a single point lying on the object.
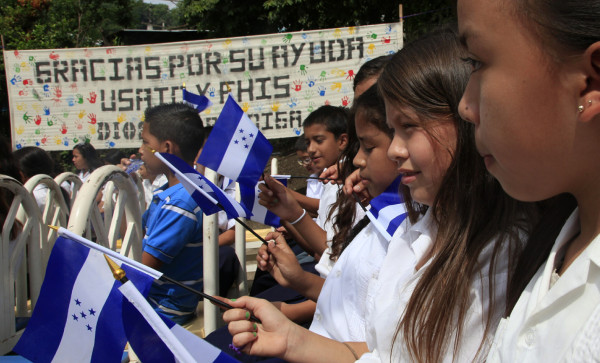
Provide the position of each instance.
(491, 132)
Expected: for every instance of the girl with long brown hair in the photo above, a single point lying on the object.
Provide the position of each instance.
(464, 236)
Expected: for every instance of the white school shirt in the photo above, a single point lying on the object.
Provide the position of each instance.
(150, 188)
(341, 307)
(558, 323)
(314, 187)
(397, 282)
(328, 197)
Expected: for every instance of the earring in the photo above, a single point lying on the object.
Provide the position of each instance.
(580, 108)
(589, 102)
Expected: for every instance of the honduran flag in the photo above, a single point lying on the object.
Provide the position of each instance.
(388, 210)
(260, 214)
(155, 338)
(208, 196)
(235, 147)
(78, 316)
(199, 102)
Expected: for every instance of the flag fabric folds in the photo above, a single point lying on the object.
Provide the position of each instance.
(207, 195)
(199, 102)
(388, 210)
(260, 214)
(78, 315)
(235, 147)
(155, 338)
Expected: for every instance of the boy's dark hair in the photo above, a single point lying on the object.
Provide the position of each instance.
(301, 144)
(178, 123)
(372, 68)
(334, 118)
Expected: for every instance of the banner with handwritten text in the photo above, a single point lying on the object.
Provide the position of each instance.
(62, 97)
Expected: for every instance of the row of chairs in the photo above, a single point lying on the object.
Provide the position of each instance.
(23, 260)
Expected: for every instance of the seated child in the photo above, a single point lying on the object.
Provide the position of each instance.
(173, 222)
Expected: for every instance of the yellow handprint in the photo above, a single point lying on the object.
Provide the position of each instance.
(57, 140)
(371, 49)
(121, 117)
(275, 107)
(337, 33)
(81, 114)
(20, 130)
(92, 129)
(351, 29)
(245, 106)
(20, 106)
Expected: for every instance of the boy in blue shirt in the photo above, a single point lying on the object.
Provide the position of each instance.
(173, 222)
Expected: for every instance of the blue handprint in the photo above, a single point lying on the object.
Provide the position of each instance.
(310, 81)
(211, 92)
(322, 90)
(46, 110)
(16, 79)
(293, 102)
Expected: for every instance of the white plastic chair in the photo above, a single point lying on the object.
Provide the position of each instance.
(74, 182)
(86, 215)
(21, 262)
(55, 210)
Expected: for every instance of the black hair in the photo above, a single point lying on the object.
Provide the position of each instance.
(89, 154)
(114, 156)
(34, 160)
(178, 123)
(372, 68)
(335, 119)
(301, 144)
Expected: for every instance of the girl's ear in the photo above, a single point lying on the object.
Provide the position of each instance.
(342, 141)
(589, 107)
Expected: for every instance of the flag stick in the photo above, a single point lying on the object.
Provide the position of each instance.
(302, 177)
(359, 203)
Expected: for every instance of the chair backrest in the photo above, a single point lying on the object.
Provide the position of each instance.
(55, 210)
(74, 183)
(21, 260)
(122, 215)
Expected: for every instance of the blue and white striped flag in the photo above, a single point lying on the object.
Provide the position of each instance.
(78, 316)
(235, 147)
(207, 195)
(199, 102)
(388, 210)
(260, 214)
(155, 338)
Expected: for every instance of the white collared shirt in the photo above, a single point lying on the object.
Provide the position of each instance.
(397, 281)
(558, 323)
(341, 307)
(328, 197)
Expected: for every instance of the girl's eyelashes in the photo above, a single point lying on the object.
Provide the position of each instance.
(475, 64)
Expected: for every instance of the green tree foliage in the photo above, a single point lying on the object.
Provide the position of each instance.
(228, 18)
(37, 24)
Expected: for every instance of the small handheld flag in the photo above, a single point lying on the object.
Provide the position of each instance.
(199, 102)
(388, 210)
(208, 196)
(235, 147)
(260, 214)
(78, 315)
